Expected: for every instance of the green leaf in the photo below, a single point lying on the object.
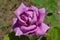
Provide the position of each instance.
(6, 37)
(43, 38)
(34, 37)
(56, 24)
(59, 34)
(11, 36)
(52, 34)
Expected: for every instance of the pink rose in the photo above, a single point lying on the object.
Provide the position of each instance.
(29, 21)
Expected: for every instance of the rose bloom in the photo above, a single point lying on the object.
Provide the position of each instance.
(28, 21)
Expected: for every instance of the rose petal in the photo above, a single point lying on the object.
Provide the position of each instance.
(28, 28)
(35, 12)
(33, 32)
(42, 29)
(23, 17)
(34, 9)
(14, 20)
(19, 11)
(35, 17)
(34, 20)
(29, 13)
(17, 31)
(42, 14)
(17, 23)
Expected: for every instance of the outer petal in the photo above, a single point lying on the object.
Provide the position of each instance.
(14, 20)
(17, 31)
(42, 29)
(16, 27)
(28, 28)
(41, 14)
(19, 11)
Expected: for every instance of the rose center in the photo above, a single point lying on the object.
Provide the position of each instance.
(30, 13)
(28, 23)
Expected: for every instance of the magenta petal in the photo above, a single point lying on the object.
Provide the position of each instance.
(33, 20)
(19, 11)
(42, 14)
(35, 10)
(14, 20)
(28, 28)
(35, 17)
(31, 32)
(24, 18)
(18, 32)
(42, 29)
(29, 13)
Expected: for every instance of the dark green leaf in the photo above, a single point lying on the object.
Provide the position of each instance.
(49, 14)
(34, 37)
(11, 36)
(43, 38)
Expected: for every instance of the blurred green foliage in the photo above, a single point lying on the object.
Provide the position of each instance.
(11, 36)
(34, 37)
(52, 34)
